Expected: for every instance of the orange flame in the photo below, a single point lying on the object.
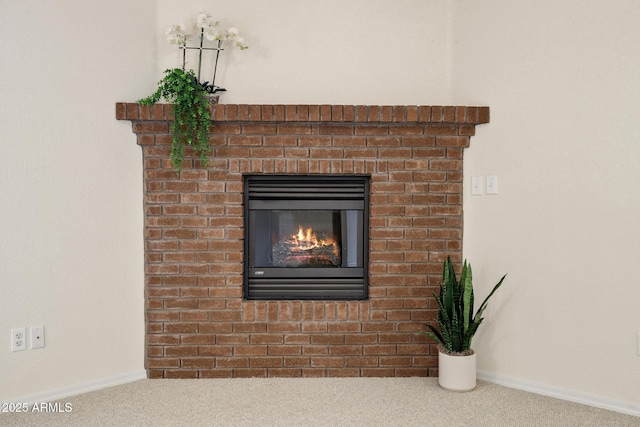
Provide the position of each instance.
(307, 239)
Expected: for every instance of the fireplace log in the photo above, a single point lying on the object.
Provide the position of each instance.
(287, 253)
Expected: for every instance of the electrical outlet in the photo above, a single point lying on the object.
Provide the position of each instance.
(18, 339)
(37, 337)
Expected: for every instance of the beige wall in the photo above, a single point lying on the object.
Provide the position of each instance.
(331, 51)
(561, 79)
(561, 83)
(71, 213)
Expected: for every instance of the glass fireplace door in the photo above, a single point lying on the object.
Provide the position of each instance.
(305, 238)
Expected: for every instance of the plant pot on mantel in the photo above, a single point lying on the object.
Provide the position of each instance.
(456, 372)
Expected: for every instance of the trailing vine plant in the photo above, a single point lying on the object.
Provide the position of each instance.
(192, 114)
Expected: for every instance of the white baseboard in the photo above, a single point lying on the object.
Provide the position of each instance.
(73, 390)
(560, 393)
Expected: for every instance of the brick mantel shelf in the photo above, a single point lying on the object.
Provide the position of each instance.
(198, 325)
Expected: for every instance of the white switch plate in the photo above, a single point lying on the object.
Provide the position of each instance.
(492, 184)
(37, 337)
(476, 186)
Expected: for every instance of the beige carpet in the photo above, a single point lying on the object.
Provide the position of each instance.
(314, 402)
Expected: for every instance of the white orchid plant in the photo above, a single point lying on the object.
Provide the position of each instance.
(204, 27)
(184, 89)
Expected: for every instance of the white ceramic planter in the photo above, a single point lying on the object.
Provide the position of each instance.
(457, 373)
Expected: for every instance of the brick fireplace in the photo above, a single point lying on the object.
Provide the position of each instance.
(198, 323)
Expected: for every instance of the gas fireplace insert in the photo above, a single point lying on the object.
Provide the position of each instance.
(306, 237)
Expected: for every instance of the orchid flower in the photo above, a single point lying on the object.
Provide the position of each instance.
(209, 30)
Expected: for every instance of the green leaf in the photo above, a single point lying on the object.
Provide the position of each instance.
(435, 335)
(466, 280)
(483, 306)
(449, 286)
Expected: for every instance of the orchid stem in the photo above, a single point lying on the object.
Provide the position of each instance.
(200, 55)
(215, 68)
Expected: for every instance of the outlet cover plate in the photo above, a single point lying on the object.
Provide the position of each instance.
(18, 339)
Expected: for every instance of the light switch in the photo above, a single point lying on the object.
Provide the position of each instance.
(476, 186)
(492, 184)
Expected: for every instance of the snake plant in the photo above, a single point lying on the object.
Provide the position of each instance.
(456, 320)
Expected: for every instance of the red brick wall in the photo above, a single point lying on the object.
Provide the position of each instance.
(197, 323)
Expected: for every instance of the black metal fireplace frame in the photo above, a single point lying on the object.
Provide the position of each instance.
(307, 192)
